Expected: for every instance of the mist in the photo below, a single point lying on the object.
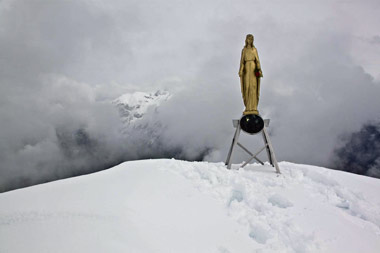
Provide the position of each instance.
(63, 62)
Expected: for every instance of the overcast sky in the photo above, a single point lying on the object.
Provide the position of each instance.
(61, 62)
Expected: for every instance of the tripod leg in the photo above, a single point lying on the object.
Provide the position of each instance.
(267, 146)
(233, 144)
(271, 156)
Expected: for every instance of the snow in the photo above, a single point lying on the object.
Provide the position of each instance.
(176, 206)
(133, 106)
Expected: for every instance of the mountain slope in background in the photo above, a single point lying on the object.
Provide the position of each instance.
(133, 106)
(176, 206)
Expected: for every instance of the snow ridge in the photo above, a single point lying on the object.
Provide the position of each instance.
(177, 206)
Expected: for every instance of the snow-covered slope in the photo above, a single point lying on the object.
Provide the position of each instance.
(137, 126)
(176, 206)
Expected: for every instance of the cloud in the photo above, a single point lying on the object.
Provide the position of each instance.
(312, 90)
(375, 39)
(64, 61)
(359, 152)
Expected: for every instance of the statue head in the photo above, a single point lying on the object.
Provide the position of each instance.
(249, 40)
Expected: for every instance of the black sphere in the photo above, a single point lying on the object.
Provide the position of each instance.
(251, 123)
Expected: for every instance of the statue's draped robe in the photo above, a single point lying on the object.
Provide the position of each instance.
(250, 84)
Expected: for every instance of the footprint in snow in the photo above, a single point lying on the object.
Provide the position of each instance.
(279, 201)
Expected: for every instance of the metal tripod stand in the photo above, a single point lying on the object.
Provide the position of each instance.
(267, 146)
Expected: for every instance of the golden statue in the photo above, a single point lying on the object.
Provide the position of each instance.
(250, 74)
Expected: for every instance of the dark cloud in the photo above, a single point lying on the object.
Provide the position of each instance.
(62, 62)
(360, 152)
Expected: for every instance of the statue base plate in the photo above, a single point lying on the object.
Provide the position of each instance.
(256, 112)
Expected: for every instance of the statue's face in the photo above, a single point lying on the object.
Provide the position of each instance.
(250, 39)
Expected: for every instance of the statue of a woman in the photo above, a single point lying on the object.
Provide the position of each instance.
(250, 74)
